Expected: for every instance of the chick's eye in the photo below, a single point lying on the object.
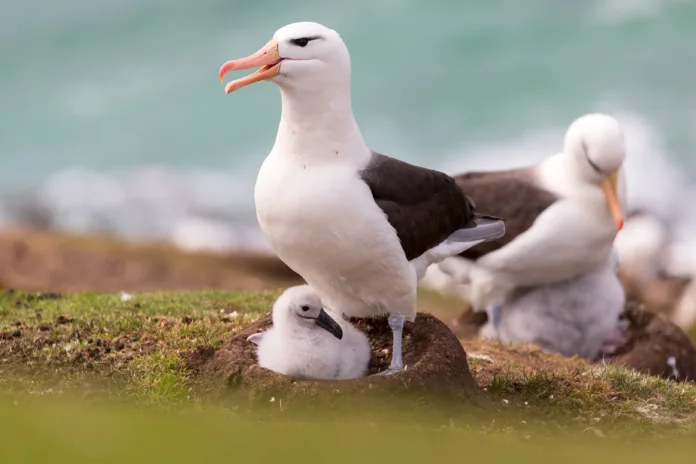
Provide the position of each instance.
(302, 42)
(304, 308)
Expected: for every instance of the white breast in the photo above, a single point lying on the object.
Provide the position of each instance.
(323, 223)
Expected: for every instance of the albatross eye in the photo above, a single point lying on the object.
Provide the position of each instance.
(305, 307)
(597, 169)
(302, 42)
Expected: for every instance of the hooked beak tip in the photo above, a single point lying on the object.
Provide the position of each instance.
(327, 323)
(267, 58)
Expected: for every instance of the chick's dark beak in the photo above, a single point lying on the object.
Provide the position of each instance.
(327, 323)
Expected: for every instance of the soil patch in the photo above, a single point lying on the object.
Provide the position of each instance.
(466, 326)
(653, 342)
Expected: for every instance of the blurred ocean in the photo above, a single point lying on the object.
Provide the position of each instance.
(113, 120)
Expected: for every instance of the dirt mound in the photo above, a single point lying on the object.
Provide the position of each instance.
(653, 340)
(435, 362)
(466, 326)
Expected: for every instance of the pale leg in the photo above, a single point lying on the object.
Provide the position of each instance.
(396, 322)
(493, 312)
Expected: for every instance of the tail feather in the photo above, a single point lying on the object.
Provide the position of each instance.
(472, 205)
(488, 216)
(485, 229)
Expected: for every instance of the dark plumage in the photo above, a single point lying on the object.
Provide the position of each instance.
(512, 194)
(424, 206)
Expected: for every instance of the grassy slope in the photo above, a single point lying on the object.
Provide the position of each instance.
(80, 340)
(133, 350)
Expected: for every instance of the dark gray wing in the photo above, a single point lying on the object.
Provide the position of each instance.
(513, 195)
(424, 206)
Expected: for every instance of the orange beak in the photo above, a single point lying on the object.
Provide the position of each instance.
(268, 58)
(609, 187)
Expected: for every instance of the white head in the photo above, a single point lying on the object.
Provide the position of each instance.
(301, 55)
(301, 308)
(595, 144)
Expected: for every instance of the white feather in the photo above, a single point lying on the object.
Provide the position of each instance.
(301, 349)
(571, 317)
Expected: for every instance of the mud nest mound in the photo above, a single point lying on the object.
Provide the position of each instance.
(435, 363)
(652, 341)
(467, 325)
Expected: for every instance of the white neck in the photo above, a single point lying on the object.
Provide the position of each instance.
(561, 173)
(318, 125)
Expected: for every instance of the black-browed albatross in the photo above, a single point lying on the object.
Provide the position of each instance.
(562, 215)
(358, 226)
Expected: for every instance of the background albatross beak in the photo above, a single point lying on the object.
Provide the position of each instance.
(609, 187)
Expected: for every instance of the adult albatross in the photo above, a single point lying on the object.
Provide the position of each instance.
(563, 215)
(361, 228)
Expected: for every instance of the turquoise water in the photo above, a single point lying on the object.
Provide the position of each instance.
(113, 118)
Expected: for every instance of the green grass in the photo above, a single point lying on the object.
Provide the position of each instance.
(94, 340)
(602, 396)
(126, 358)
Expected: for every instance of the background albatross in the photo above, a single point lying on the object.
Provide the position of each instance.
(563, 215)
(359, 227)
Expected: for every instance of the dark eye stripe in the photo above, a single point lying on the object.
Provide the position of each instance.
(587, 157)
(303, 41)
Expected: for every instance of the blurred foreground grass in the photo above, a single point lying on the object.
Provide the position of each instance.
(47, 430)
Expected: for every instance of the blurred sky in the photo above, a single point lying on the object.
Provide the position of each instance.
(106, 90)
